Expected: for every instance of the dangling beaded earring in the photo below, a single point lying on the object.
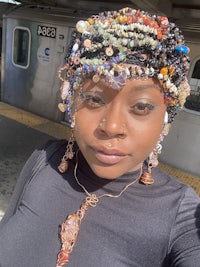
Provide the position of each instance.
(69, 154)
(146, 178)
(152, 162)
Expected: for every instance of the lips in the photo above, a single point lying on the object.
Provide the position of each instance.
(108, 156)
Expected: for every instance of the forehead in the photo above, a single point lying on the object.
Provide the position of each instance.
(132, 85)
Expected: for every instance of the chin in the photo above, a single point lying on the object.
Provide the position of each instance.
(108, 172)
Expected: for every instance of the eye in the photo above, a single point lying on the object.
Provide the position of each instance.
(142, 108)
(92, 100)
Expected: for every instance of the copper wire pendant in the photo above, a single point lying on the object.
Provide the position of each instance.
(70, 229)
(146, 178)
(63, 166)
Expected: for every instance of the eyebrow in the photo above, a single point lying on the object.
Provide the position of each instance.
(100, 86)
(146, 86)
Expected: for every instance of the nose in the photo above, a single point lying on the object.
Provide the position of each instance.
(112, 125)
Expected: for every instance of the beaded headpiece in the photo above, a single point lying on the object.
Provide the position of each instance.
(127, 44)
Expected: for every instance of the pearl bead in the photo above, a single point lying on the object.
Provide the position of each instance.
(168, 84)
(82, 26)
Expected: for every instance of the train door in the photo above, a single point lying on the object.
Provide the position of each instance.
(33, 52)
(50, 54)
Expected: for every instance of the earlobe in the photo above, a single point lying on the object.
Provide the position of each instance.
(166, 129)
(166, 117)
(166, 126)
(73, 120)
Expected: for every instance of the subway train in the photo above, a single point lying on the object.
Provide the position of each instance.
(34, 41)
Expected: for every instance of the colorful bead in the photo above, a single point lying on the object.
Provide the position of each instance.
(96, 78)
(109, 51)
(118, 81)
(76, 60)
(183, 49)
(75, 48)
(164, 71)
(87, 43)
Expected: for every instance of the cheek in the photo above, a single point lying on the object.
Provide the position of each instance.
(149, 137)
(150, 130)
(145, 134)
(84, 126)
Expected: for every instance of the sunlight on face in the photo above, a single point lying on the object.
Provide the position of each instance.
(133, 120)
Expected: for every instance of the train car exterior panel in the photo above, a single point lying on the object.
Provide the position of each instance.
(33, 85)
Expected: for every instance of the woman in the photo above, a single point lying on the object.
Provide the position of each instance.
(124, 78)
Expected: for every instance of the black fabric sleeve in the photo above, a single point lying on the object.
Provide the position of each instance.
(25, 174)
(185, 235)
(36, 161)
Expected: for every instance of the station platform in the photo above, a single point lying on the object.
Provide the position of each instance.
(21, 132)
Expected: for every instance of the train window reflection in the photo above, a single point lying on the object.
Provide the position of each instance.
(21, 47)
(193, 101)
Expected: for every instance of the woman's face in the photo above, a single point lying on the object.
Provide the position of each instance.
(116, 130)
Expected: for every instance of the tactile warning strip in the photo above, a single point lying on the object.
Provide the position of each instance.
(192, 180)
(36, 122)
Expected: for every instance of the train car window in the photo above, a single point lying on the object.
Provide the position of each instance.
(0, 41)
(193, 101)
(21, 47)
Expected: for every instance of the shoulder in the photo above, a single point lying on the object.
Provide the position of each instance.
(171, 183)
(187, 200)
(168, 193)
(53, 144)
(184, 242)
(163, 186)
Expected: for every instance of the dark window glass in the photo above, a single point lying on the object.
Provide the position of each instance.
(21, 47)
(193, 101)
(0, 41)
(196, 71)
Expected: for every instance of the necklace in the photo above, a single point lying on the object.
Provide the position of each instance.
(70, 228)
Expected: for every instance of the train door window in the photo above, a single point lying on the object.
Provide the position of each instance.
(0, 41)
(193, 101)
(21, 47)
